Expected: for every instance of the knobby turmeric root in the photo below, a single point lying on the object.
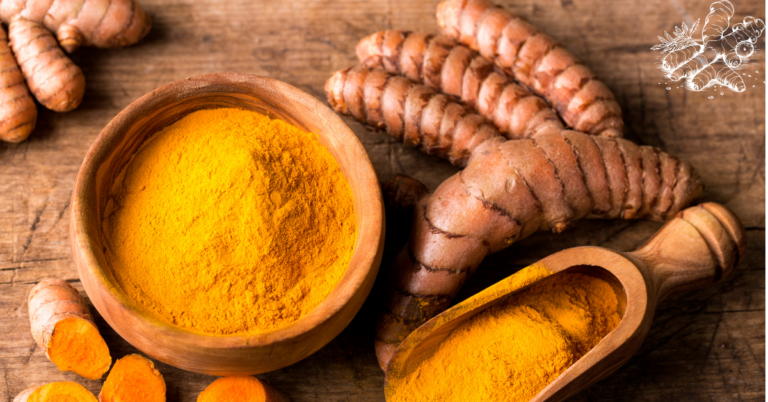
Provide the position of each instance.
(55, 81)
(63, 327)
(98, 23)
(56, 392)
(536, 60)
(413, 113)
(133, 378)
(18, 112)
(508, 190)
(241, 389)
(441, 63)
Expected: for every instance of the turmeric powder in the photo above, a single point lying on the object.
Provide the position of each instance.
(229, 222)
(511, 351)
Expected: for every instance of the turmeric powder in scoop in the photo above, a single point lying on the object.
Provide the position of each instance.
(513, 350)
(229, 222)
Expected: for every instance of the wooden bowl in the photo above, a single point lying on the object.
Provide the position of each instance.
(235, 354)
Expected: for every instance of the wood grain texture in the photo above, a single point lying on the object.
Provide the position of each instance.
(706, 345)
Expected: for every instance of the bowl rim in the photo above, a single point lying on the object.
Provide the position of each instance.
(82, 239)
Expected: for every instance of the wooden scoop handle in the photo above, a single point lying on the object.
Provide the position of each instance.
(699, 246)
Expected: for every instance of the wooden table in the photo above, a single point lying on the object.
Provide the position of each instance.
(707, 345)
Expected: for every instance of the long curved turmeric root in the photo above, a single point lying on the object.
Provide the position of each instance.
(509, 190)
(55, 81)
(242, 389)
(723, 75)
(99, 23)
(63, 327)
(133, 378)
(441, 63)
(413, 113)
(56, 392)
(18, 112)
(536, 60)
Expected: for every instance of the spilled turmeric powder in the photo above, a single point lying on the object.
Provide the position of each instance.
(513, 350)
(229, 222)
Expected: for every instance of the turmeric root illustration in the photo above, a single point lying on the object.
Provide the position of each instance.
(34, 28)
(711, 60)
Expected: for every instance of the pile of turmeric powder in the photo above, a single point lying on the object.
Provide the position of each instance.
(229, 222)
(513, 350)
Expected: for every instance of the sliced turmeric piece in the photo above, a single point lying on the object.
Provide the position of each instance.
(241, 389)
(133, 378)
(62, 326)
(63, 391)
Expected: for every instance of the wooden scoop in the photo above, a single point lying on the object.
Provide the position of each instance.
(699, 246)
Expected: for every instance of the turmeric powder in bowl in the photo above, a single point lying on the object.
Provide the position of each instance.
(229, 222)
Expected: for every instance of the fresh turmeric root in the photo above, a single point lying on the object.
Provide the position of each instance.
(55, 81)
(535, 60)
(97, 23)
(56, 392)
(508, 191)
(241, 389)
(63, 327)
(413, 113)
(133, 378)
(441, 63)
(18, 113)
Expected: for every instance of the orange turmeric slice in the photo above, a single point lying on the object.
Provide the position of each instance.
(241, 389)
(62, 326)
(133, 378)
(77, 346)
(63, 391)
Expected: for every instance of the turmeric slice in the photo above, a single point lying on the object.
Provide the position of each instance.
(56, 392)
(63, 327)
(241, 389)
(133, 378)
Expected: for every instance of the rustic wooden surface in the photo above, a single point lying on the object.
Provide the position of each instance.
(707, 345)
